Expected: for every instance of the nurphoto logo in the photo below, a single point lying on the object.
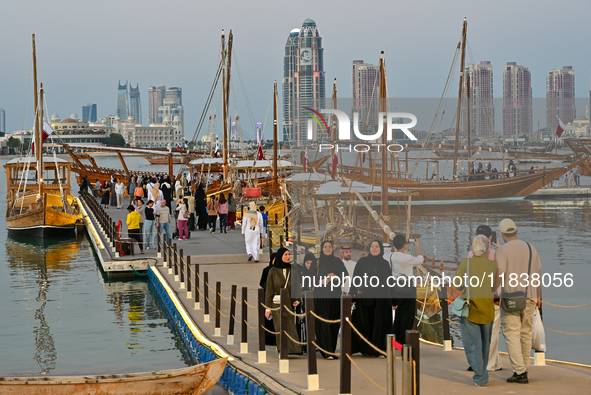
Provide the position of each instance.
(344, 124)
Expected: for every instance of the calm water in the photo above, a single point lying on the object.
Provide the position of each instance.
(58, 316)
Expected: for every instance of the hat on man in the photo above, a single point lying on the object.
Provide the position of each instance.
(507, 226)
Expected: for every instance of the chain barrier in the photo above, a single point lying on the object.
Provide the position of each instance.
(293, 340)
(567, 333)
(323, 319)
(364, 374)
(566, 307)
(365, 340)
(324, 351)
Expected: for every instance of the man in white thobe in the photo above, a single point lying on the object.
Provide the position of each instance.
(252, 229)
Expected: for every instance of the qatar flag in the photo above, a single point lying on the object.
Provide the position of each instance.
(47, 130)
(335, 163)
(559, 128)
(260, 154)
(178, 147)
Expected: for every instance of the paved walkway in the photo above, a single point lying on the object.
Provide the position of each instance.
(223, 256)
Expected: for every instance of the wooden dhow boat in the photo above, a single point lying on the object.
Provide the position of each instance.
(39, 200)
(193, 380)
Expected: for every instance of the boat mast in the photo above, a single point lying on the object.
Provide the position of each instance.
(468, 109)
(40, 148)
(455, 167)
(334, 126)
(36, 136)
(226, 60)
(384, 170)
(275, 181)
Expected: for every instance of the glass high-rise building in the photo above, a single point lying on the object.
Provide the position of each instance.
(122, 101)
(517, 100)
(89, 113)
(156, 96)
(560, 96)
(2, 121)
(135, 105)
(482, 110)
(306, 86)
(366, 89)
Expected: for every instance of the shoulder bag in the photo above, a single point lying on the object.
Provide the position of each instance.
(461, 307)
(513, 302)
(277, 298)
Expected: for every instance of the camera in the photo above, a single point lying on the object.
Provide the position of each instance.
(494, 237)
(410, 241)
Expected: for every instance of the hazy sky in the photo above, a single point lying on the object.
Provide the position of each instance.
(84, 48)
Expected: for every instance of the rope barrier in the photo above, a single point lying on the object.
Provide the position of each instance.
(269, 308)
(452, 322)
(566, 307)
(293, 340)
(252, 306)
(363, 373)
(427, 322)
(222, 314)
(223, 297)
(324, 351)
(323, 319)
(271, 332)
(294, 314)
(365, 340)
(567, 333)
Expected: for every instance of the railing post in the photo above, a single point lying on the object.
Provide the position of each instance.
(345, 382)
(176, 263)
(244, 328)
(391, 369)
(206, 297)
(445, 320)
(182, 285)
(165, 256)
(270, 242)
(197, 303)
(218, 308)
(261, 309)
(313, 379)
(232, 316)
(407, 370)
(412, 338)
(189, 282)
(283, 346)
(159, 241)
(281, 241)
(276, 219)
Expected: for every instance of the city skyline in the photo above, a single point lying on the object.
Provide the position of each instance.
(191, 63)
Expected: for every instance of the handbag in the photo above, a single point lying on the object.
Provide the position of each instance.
(277, 298)
(461, 307)
(513, 302)
(187, 214)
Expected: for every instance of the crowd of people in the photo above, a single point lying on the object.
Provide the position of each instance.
(372, 313)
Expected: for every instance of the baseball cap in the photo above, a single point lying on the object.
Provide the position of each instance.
(507, 226)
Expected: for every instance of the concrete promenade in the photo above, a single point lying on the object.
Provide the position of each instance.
(224, 258)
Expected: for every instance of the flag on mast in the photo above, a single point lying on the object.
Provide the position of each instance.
(260, 154)
(559, 128)
(47, 130)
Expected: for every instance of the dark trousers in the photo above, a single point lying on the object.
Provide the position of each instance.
(231, 219)
(137, 236)
(404, 318)
(211, 219)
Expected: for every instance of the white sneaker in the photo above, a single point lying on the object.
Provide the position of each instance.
(147, 248)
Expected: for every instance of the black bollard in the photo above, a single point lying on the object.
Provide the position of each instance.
(345, 384)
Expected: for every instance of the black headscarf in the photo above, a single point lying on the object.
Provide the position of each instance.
(279, 259)
(312, 270)
(328, 264)
(370, 266)
(265, 273)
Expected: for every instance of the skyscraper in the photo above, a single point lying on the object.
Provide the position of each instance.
(366, 88)
(290, 64)
(89, 113)
(482, 110)
(155, 100)
(517, 100)
(560, 96)
(122, 101)
(308, 81)
(172, 107)
(2, 122)
(135, 105)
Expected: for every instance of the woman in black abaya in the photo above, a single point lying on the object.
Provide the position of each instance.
(327, 301)
(201, 207)
(269, 337)
(373, 302)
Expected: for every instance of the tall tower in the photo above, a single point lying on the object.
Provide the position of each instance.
(172, 106)
(290, 64)
(560, 96)
(366, 88)
(309, 81)
(482, 110)
(135, 105)
(2, 122)
(155, 100)
(122, 101)
(517, 100)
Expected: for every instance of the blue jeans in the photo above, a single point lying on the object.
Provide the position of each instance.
(476, 339)
(223, 221)
(150, 233)
(166, 227)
